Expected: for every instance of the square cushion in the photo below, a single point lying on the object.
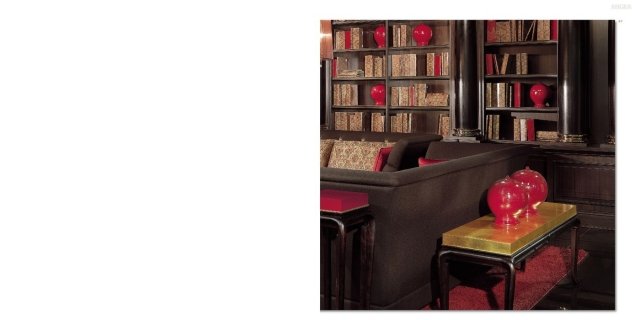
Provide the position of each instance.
(426, 161)
(381, 159)
(355, 155)
(325, 151)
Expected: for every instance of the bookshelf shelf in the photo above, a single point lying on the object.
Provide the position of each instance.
(381, 50)
(414, 48)
(521, 76)
(413, 108)
(521, 43)
(542, 110)
(362, 107)
(359, 79)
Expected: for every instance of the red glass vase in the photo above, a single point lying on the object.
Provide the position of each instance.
(506, 198)
(422, 33)
(538, 94)
(378, 93)
(380, 36)
(535, 186)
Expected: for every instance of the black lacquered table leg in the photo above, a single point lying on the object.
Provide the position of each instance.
(340, 253)
(366, 263)
(574, 254)
(325, 247)
(443, 271)
(510, 286)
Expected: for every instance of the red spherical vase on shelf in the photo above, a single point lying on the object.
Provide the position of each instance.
(378, 93)
(536, 188)
(422, 33)
(380, 35)
(506, 198)
(538, 94)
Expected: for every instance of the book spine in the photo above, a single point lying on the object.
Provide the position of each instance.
(517, 88)
(347, 39)
(531, 132)
(437, 64)
(491, 31)
(488, 63)
(554, 30)
(334, 65)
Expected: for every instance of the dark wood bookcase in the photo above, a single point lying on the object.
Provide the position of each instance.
(417, 116)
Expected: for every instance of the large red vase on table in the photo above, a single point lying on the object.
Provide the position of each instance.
(422, 33)
(506, 198)
(538, 94)
(380, 36)
(378, 93)
(535, 186)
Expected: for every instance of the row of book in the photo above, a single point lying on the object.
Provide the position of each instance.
(521, 30)
(349, 121)
(444, 124)
(508, 65)
(503, 95)
(349, 39)
(416, 95)
(403, 36)
(374, 66)
(345, 94)
(405, 65)
(523, 130)
(403, 122)
(377, 122)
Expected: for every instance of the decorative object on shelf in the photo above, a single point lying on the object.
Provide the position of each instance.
(506, 198)
(535, 187)
(538, 94)
(380, 36)
(422, 33)
(378, 93)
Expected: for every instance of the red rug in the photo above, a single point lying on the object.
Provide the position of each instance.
(542, 272)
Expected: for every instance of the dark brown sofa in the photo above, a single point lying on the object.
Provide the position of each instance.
(413, 207)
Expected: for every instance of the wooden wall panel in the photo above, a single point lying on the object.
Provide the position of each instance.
(326, 40)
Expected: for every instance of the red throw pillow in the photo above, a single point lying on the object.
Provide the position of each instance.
(381, 158)
(426, 161)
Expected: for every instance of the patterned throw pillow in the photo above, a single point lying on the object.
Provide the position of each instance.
(356, 155)
(325, 151)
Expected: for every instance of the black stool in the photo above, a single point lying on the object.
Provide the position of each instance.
(339, 225)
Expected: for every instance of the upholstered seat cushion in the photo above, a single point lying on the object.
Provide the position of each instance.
(355, 155)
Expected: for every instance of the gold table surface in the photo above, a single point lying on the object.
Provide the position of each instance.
(483, 235)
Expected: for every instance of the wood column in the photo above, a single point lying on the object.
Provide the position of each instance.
(611, 138)
(572, 80)
(466, 80)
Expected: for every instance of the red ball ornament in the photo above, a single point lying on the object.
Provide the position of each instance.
(380, 36)
(506, 198)
(378, 93)
(538, 94)
(422, 33)
(535, 186)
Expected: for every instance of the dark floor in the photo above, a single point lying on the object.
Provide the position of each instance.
(596, 275)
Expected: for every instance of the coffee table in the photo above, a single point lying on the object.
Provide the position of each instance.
(482, 242)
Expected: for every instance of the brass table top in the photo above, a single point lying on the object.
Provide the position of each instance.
(483, 235)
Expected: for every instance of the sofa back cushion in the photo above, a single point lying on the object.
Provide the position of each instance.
(355, 155)
(454, 150)
(325, 151)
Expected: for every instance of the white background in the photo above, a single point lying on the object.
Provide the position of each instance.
(158, 159)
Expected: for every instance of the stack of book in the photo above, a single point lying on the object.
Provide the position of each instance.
(521, 30)
(403, 65)
(402, 36)
(403, 123)
(349, 39)
(507, 65)
(443, 125)
(548, 136)
(503, 95)
(524, 130)
(345, 94)
(377, 122)
(374, 66)
(349, 121)
(492, 125)
(437, 64)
